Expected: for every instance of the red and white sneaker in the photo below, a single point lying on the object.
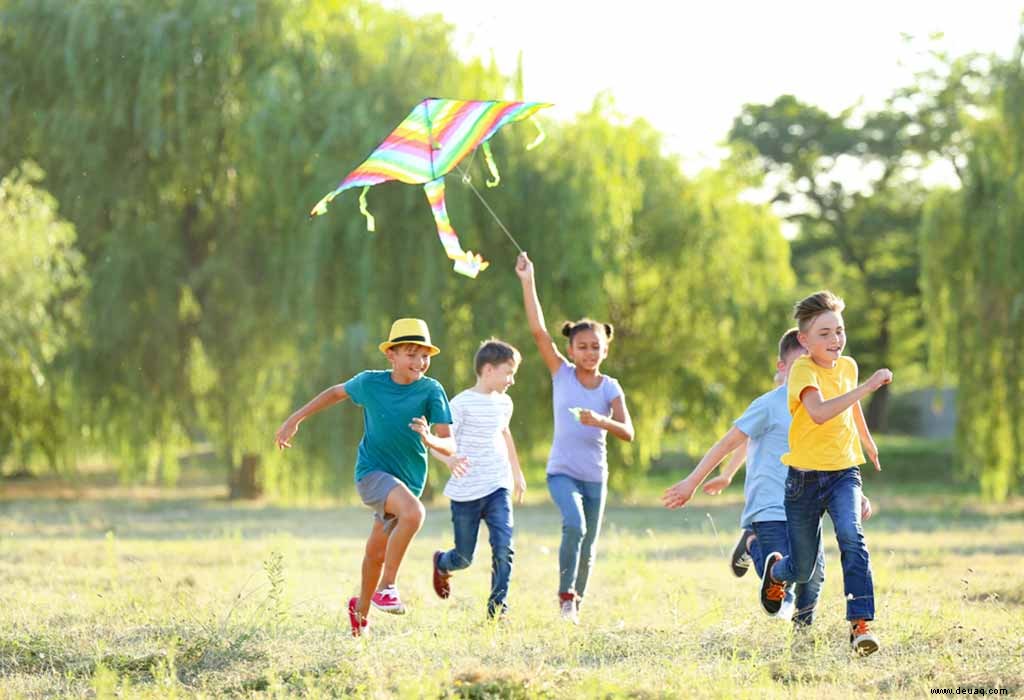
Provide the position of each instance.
(358, 626)
(388, 601)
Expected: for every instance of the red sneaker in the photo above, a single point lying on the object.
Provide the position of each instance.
(358, 626)
(441, 578)
(387, 600)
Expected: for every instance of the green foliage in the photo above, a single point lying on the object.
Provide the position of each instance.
(186, 142)
(974, 273)
(846, 181)
(40, 286)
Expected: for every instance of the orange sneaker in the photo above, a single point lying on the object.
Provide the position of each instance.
(862, 639)
(772, 592)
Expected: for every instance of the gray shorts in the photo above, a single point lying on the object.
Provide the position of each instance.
(374, 489)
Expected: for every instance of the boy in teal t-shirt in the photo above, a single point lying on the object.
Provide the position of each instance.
(399, 407)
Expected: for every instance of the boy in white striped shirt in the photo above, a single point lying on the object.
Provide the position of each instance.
(480, 420)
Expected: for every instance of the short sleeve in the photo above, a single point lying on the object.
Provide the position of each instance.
(438, 409)
(801, 376)
(356, 388)
(850, 370)
(457, 409)
(755, 421)
(613, 390)
(508, 409)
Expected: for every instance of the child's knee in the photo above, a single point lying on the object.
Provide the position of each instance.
(850, 537)
(502, 554)
(574, 533)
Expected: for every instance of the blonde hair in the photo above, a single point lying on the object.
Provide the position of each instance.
(809, 308)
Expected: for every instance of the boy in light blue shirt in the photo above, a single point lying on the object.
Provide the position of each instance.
(763, 430)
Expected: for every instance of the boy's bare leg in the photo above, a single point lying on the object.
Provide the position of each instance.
(410, 514)
(373, 562)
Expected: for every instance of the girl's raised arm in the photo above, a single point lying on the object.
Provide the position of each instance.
(535, 315)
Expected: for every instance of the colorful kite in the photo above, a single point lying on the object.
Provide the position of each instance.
(425, 147)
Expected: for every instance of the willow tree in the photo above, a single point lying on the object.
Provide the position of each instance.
(186, 141)
(40, 287)
(973, 274)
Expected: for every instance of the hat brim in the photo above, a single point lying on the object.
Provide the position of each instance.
(387, 345)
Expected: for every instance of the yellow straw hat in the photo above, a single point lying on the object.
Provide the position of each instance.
(409, 330)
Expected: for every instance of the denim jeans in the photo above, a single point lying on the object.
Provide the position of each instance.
(495, 509)
(809, 495)
(582, 507)
(772, 536)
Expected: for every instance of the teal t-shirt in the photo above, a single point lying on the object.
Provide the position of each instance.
(388, 444)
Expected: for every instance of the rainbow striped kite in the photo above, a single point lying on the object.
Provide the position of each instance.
(425, 147)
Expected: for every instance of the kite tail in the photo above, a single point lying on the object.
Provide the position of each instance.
(466, 262)
(491, 165)
(540, 134)
(371, 223)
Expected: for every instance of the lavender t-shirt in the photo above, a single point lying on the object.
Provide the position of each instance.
(579, 450)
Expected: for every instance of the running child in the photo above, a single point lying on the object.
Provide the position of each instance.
(826, 438)
(480, 421)
(588, 406)
(399, 408)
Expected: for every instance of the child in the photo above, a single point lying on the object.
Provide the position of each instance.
(398, 409)
(587, 405)
(824, 461)
(481, 416)
(762, 432)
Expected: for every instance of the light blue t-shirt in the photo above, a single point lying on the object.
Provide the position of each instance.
(579, 450)
(388, 444)
(766, 423)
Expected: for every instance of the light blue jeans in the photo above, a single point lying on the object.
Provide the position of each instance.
(582, 507)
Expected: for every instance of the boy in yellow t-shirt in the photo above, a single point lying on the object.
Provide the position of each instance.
(824, 458)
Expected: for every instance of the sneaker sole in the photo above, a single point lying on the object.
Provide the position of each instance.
(769, 562)
(741, 564)
(391, 609)
(866, 647)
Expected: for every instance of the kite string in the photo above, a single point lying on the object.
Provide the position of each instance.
(466, 179)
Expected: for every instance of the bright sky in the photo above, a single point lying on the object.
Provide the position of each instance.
(689, 67)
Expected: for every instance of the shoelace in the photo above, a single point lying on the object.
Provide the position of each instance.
(860, 628)
(776, 591)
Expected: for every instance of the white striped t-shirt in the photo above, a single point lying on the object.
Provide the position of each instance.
(477, 423)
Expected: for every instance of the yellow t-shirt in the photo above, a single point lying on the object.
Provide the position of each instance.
(834, 444)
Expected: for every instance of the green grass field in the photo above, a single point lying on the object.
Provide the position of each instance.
(142, 594)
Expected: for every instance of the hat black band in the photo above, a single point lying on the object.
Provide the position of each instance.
(404, 338)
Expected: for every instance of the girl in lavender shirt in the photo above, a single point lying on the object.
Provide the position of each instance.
(587, 406)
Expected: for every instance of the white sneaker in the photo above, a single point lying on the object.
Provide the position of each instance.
(568, 612)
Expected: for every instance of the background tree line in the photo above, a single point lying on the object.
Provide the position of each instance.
(170, 289)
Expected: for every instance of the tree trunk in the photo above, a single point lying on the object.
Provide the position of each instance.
(245, 481)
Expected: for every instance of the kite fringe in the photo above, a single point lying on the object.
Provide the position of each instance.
(540, 134)
(492, 167)
(371, 223)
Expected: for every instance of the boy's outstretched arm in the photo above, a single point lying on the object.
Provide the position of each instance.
(326, 398)
(822, 411)
(715, 486)
(680, 494)
(443, 442)
(518, 480)
(553, 359)
(865, 436)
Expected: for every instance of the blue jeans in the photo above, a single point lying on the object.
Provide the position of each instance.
(495, 509)
(809, 495)
(772, 536)
(582, 507)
